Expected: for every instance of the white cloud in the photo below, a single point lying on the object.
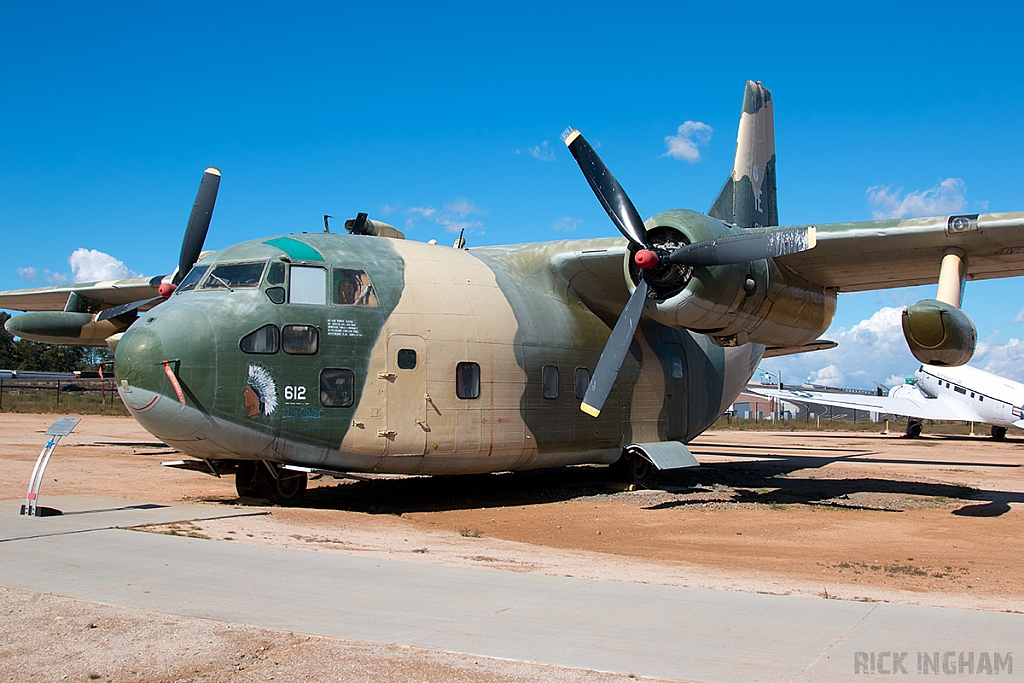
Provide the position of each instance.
(28, 274)
(540, 151)
(55, 278)
(1006, 359)
(566, 224)
(453, 218)
(88, 265)
(1020, 317)
(948, 197)
(872, 350)
(689, 136)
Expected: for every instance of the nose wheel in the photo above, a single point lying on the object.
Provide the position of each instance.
(256, 479)
(633, 468)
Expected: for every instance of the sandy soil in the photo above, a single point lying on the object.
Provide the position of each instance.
(865, 516)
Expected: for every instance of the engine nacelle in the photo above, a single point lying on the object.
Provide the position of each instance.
(939, 333)
(64, 327)
(756, 301)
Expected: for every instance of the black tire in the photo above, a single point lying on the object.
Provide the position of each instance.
(641, 472)
(998, 433)
(245, 479)
(286, 489)
(914, 427)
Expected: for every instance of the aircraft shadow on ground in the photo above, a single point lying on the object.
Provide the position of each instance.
(777, 480)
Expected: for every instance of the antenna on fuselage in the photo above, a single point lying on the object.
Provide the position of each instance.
(327, 228)
(461, 242)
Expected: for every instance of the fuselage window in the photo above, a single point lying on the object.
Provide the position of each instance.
(235, 276)
(337, 387)
(275, 282)
(582, 382)
(192, 279)
(275, 274)
(267, 339)
(981, 398)
(467, 380)
(677, 368)
(308, 286)
(300, 339)
(407, 359)
(549, 381)
(353, 288)
(972, 394)
(960, 390)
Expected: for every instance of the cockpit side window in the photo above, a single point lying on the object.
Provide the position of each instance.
(300, 339)
(267, 339)
(353, 288)
(235, 275)
(308, 285)
(192, 279)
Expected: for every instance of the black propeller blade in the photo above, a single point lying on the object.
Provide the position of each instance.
(614, 353)
(611, 195)
(198, 223)
(748, 247)
(115, 311)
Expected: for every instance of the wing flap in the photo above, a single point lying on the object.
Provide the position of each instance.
(853, 257)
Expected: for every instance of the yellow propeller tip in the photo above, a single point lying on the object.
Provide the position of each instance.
(590, 410)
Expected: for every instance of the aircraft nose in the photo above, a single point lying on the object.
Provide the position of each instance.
(165, 368)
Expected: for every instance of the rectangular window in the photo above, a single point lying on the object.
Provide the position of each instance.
(960, 390)
(582, 382)
(677, 368)
(303, 340)
(406, 359)
(549, 381)
(337, 388)
(353, 288)
(308, 286)
(467, 380)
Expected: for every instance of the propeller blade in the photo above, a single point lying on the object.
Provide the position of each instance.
(611, 195)
(198, 223)
(751, 246)
(115, 311)
(614, 353)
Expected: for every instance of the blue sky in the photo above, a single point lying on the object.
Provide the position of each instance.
(434, 117)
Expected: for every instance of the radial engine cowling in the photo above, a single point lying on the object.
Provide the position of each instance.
(939, 333)
(755, 301)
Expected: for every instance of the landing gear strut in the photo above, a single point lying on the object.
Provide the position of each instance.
(280, 486)
(914, 427)
(998, 433)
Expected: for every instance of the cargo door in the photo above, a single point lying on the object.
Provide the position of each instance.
(406, 379)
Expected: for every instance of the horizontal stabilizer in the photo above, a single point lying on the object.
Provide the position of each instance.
(667, 455)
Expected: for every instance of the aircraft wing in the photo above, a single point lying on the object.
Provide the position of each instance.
(96, 295)
(854, 257)
(909, 403)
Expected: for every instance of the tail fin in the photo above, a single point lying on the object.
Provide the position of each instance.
(748, 198)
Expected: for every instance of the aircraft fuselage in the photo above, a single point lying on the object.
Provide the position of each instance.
(361, 353)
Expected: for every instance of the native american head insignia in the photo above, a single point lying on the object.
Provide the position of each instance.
(260, 393)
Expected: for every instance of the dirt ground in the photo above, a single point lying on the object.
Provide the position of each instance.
(862, 516)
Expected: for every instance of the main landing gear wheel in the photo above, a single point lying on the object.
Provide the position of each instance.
(914, 427)
(279, 486)
(634, 468)
(998, 433)
(245, 479)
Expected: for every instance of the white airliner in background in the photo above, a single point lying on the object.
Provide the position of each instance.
(961, 393)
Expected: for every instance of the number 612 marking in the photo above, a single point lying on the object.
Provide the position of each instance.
(294, 393)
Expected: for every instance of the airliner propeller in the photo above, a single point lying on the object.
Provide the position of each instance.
(191, 245)
(712, 252)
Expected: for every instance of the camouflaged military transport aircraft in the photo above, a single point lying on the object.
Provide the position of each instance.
(365, 352)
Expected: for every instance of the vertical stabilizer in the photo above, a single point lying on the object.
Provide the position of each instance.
(748, 198)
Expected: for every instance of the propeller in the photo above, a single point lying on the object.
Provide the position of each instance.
(191, 245)
(198, 223)
(712, 252)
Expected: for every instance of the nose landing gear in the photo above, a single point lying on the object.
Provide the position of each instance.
(259, 479)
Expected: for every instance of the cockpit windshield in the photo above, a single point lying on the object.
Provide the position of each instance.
(235, 275)
(192, 279)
